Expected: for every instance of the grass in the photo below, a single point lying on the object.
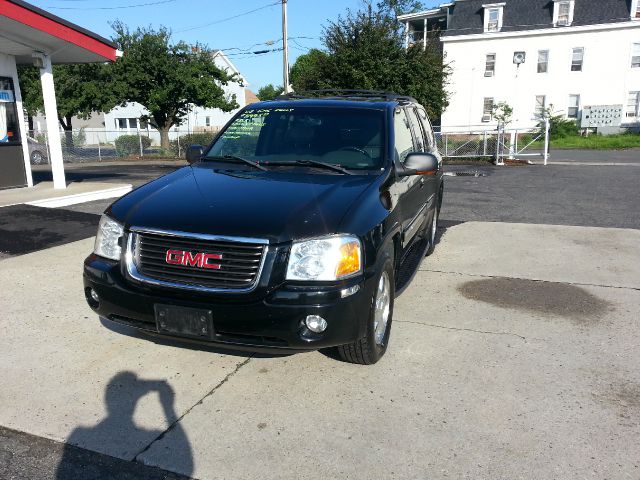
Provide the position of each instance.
(598, 142)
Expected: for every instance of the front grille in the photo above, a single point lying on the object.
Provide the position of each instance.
(240, 265)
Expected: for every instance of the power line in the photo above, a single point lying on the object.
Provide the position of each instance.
(188, 29)
(159, 2)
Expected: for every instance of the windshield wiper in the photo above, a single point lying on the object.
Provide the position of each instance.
(315, 163)
(235, 157)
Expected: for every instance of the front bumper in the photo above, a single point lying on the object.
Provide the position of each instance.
(265, 321)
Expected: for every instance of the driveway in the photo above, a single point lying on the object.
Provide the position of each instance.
(514, 355)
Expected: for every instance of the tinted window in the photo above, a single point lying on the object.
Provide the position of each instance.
(350, 137)
(404, 141)
(417, 130)
(428, 130)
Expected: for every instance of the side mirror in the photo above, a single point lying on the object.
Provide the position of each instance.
(194, 153)
(419, 163)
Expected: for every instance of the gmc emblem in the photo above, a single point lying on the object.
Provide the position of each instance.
(200, 260)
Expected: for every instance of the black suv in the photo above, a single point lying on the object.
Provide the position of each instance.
(294, 230)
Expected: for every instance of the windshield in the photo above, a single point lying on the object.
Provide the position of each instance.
(348, 137)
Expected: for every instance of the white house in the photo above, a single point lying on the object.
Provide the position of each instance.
(534, 54)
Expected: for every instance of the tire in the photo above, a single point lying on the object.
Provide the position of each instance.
(37, 158)
(370, 348)
(433, 226)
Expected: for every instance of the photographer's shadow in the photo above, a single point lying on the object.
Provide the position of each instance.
(118, 435)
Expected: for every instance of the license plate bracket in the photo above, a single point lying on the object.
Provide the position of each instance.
(184, 321)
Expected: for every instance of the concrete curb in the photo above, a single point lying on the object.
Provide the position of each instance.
(81, 197)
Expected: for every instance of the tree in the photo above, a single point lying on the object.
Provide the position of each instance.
(167, 79)
(269, 92)
(80, 91)
(398, 7)
(365, 50)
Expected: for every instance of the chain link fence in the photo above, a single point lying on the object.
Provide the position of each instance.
(494, 143)
(96, 145)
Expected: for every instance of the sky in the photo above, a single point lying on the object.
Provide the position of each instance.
(257, 23)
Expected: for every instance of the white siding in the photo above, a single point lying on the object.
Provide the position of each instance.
(606, 77)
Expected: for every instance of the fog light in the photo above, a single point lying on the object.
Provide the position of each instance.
(94, 295)
(316, 323)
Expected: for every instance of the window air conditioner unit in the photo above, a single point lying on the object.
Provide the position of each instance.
(486, 118)
(562, 22)
(488, 73)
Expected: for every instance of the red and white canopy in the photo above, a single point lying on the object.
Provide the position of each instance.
(25, 28)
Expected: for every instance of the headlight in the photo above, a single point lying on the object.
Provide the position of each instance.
(108, 238)
(325, 259)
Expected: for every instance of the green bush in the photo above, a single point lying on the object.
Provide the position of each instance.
(79, 138)
(130, 145)
(560, 127)
(203, 138)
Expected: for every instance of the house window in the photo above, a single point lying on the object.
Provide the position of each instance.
(133, 123)
(635, 55)
(577, 59)
(574, 106)
(121, 123)
(541, 104)
(633, 105)
(207, 121)
(543, 61)
(487, 109)
(144, 124)
(635, 12)
(493, 17)
(490, 65)
(563, 13)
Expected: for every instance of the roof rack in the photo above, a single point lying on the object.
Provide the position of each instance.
(332, 93)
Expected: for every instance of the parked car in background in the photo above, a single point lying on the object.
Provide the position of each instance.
(37, 151)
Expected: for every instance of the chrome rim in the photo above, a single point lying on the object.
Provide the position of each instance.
(382, 308)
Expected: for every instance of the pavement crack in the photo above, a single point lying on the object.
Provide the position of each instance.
(488, 332)
(199, 402)
(530, 279)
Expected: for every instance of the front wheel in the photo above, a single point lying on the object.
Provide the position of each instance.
(369, 349)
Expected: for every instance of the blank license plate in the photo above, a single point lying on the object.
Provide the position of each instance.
(184, 321)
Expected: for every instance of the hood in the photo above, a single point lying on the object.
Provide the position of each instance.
(278, 205)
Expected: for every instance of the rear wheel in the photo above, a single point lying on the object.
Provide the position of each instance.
(370, 348)
(433, 226)
(37, 158)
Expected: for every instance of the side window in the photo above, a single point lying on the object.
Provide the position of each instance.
(402, 131)
(428, 130)
(416, 125)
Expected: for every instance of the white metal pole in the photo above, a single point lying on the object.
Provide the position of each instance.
(547, 128)
(51, 119)
(285, 50)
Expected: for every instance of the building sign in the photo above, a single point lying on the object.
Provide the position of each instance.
(601, 116)
(6, 96)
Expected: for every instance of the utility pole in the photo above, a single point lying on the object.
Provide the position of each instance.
(285, 50)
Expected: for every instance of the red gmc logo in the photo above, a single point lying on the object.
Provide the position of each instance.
(188, 259)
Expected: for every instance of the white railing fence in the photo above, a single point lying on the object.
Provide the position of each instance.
(496, 142)
(92, 144)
